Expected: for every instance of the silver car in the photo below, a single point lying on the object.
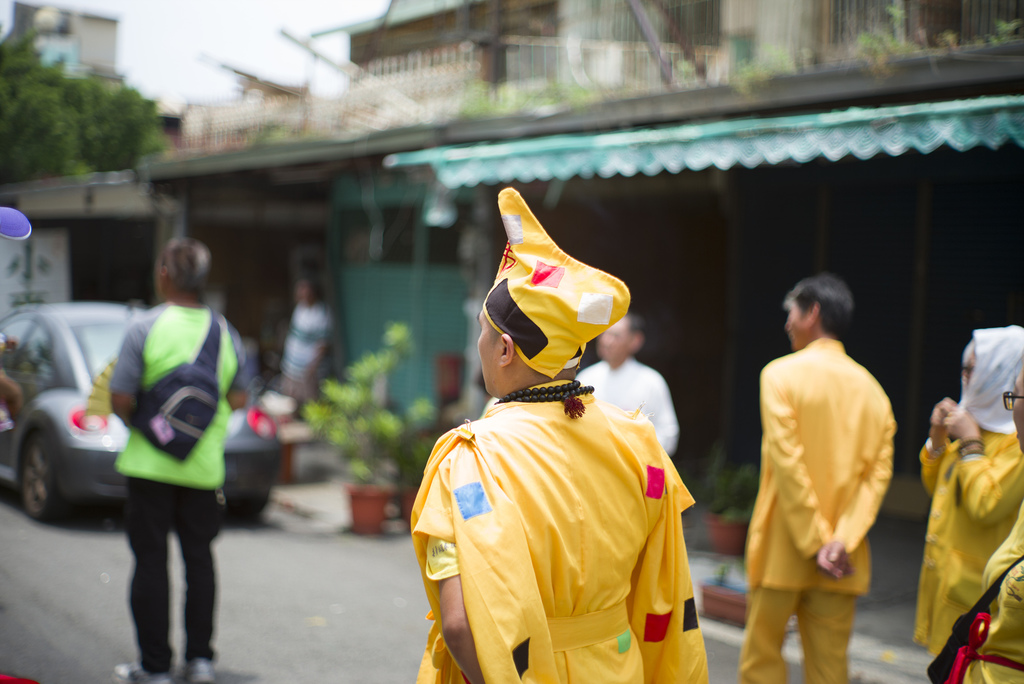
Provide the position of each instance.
(57, 456)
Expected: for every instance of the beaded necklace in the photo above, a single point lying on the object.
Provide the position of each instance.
(568, 393)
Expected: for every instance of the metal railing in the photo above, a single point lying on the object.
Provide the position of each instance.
(431, 86)
(597, 64)
(850, 18)
(444, 58)
(920, 21)
(419, 87)
(697, 20)
(981, 18)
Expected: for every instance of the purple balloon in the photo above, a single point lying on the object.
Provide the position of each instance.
(14, 224)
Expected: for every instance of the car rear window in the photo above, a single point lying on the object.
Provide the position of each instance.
(100, 342)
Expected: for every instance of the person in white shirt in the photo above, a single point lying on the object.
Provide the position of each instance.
(622, 380)
(303, 364)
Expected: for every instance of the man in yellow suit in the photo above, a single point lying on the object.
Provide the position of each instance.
(826, 462)
(549, 533)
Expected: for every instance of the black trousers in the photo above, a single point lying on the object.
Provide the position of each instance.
(152, 509)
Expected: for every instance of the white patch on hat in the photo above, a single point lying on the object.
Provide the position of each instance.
(595, 308)
(513, 228)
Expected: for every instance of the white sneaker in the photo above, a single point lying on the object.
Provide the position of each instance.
(132, 673)
(199, 671)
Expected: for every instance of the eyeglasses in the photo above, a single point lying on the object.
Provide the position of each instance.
(1008, 399)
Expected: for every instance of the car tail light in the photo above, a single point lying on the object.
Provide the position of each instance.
(262, 424)
(93, 424)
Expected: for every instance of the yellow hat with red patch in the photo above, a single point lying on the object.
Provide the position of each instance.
(550, 304)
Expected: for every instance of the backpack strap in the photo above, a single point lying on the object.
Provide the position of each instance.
(209, 354)
(990, 595)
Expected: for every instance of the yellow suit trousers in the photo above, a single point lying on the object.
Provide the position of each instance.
(825, 619)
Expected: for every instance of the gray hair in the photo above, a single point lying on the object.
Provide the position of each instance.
(187, 262)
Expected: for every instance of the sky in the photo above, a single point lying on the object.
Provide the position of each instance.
(171, 50)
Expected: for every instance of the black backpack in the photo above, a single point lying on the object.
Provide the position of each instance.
(175, 412)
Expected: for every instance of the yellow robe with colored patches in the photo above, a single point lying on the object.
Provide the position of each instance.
(565, 527)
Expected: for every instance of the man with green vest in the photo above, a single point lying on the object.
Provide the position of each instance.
(164, 491)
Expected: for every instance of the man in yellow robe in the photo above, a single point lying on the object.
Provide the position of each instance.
(826, 462)
(549, 533)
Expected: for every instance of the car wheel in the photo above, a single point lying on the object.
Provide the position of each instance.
(248, 508)
(39, 492)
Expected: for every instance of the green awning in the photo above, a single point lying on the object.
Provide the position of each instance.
(860, 132)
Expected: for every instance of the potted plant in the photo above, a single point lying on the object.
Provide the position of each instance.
(413, 452)
(724, 597)
(732, 491)
(355, 416)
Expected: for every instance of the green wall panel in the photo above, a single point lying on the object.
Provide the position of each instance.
(429, 300)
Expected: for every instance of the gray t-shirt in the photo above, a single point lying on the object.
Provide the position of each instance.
(127, 377)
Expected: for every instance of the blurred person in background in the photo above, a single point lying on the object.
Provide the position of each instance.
(304, 361)
(10, 391)
(972, 467)
(1005, 637)
(163, 491)
(623, 381)
(14, 225)
(826, 463)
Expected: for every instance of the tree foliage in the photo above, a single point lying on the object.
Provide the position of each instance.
(56, 126)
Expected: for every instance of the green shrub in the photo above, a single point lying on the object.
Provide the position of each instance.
(732, 489)
(354, 415)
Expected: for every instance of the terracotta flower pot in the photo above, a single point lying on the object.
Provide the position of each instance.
(724, 603)
(408, 497)
(727, 538)
(369, 507)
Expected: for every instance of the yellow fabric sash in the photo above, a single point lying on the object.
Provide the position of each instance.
(578, 631)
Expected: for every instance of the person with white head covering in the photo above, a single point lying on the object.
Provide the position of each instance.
(973, 468)
(999, 657)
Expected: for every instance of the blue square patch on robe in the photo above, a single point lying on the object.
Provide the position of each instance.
(472, 500)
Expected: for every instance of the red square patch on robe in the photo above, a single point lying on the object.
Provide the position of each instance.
(656, 626)
(655, 482)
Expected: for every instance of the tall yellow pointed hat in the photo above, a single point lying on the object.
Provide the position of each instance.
(550, 304)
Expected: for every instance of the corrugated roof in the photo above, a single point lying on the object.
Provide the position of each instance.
(403, 11)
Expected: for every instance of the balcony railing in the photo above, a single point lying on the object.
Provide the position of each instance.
(628, 68)
(698, 21)
(921, 21)
(420, 87)
(431, 86)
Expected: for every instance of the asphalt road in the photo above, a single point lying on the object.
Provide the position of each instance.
(301, 602)
(298, 602)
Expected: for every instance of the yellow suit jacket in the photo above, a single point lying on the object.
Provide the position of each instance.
(570, 548)
(974, 504)
(826, 462)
